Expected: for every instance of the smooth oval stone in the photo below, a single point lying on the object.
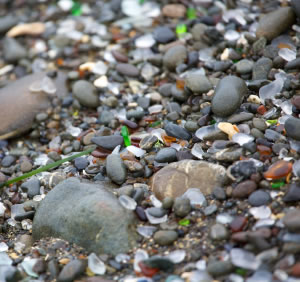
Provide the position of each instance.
(259, 198)
(228, 96)
(19, 106)
(13, 50)
(165, 237)
(166, 155)
(177, 131)
(175, 56)
(87, 214)
(198, 83)
(116, 169)
(273, 24)
(85, 93)
(261, 68)
(292, 127)
(174, 179)
(108, 142)
(128, 70)
(7, 22)
(163, 34)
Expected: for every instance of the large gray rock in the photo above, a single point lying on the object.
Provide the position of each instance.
(273, 24)
(86, 214)
(174, 179)
(85, 93)
(19, 106)
(228, 96)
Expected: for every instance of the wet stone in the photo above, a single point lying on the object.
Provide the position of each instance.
(278, 170)
(292, 194)
(165, 237)
(85, 93)
(128, 70)
(219, 193)
(177, 131)
(220, 268)
(164, 35)
(116, 169)
(259, 198)
(244, 189)
(166, 155)
(292, 127)
(228, 96)
(81, 163)
(198, 83)
(108, 142)
(244, 66)
(240, 117)
(8, 160)
(174, 56)
(273, 24)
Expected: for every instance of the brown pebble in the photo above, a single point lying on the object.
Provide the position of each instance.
(244, 189)
(174, 11)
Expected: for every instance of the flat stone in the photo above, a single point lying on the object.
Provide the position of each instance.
(273, 24)
(175, 56)
(85, 93)
(7, 22)
(108, 142)
(259, 198)
(24, 103)
(128, 70)
(261, 69)
(293, 193)
(228, 96)
(164, 34)
(174, 179)
(86, 214)
(116, 169)
(13, 51)
(244, 66)
(220, 268)
(31, 187)
(177, 131)
(166, 155)
(198, 83)
(244, 189)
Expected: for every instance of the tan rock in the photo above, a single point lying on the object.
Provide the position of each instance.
(35, 28)
(174, 11)
(174, 179)
(228, 128)
(19, 106)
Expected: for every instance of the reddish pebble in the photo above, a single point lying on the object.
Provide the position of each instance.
(278, 170)
(147, 271)
(264, 150)
(130, 124)
(238, 224)
(295, 271)
(100, 153)
(261, 109)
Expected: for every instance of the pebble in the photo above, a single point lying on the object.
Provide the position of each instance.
(219, 193)
(31, 187)
(259, 198)
(273, 24)
(128, 70)
(292, 127)
(244, 189)
(198, 83)
(240, 117)
(8, 160)
(261, 69)
(108, 142)
(13, 51)
(166, 155)
(165, 237)
(7, 22)
(175, 56)
(85, 93)
(72, 270)
(148, 142)
(81, 163)
(292, 194)
(177, 131)
(220, 268)
(135, 114)
(218, 232)
(174, 179)
(244, 66)
(164, 34)
(291, 220)
(182, 207)
(174, 10)
(260, 124)
(116, 169)
(228, 96)
(296, 7)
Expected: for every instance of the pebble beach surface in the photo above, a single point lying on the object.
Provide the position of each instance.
(188, 114)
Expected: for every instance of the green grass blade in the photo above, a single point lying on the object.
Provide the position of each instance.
(46, 167)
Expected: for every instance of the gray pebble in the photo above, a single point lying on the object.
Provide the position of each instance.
(72, 270)
(177, 131)
(166, 155)
(116, 169)
(218, 232)
(182, 206)
(165, 237)
(175, 56)
(108, 142)
(259, 198)
(31, 187)
(85, 93)
(13, 51)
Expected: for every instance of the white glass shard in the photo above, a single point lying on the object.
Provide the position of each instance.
(28, 265)
(145, 41)
(127, 202)
(271, 90)
(177, 256)
(96, 265)
(99, 68)
(138, 152)
(244, 259)
(156, 220)
(242, 138)
(205, 130)
(261, 212)
(197, 151)
(139, 256)
(287, 54)
(146, 231)
(231, 35)
(195, 196)
(155, 202)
